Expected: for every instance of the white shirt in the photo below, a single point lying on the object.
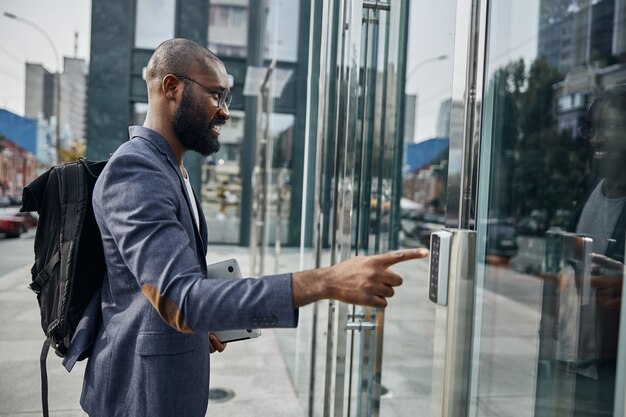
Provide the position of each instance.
(192, 200)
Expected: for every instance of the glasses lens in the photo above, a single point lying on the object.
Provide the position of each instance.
(226, 99)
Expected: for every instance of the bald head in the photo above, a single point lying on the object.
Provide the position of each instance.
(178, 56)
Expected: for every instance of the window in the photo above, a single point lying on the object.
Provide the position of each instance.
(139, 113)
(228, 28)
(154, 22)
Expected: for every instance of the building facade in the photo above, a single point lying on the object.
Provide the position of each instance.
(41, 103)
(17, 168)
(241, 34)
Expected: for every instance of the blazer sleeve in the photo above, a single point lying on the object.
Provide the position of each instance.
(137, 207)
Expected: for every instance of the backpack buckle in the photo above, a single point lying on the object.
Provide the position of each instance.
(35, 287)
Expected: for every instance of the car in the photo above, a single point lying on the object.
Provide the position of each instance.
(501, 239)
(12, 226)
(30, 219)
(16, 200)
(418, 226)
(5, 201)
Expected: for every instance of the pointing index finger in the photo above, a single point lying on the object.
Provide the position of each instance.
(392, 258)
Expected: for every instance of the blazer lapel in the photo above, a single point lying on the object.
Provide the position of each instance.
(162, 146)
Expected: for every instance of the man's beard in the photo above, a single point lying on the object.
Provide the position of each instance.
(193, 132)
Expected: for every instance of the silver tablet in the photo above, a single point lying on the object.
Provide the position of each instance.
(229, 269)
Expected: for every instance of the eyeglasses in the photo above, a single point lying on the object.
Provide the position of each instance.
(223, 97)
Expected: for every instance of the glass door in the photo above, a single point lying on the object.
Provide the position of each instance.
(358, 149)
(550, 215)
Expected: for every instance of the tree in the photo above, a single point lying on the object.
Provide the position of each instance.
(533, 165)
(548, 163)
(73, 153)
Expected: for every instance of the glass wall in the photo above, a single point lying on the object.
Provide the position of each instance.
(282, 30)
(551, 209)
(431, 119)
(221, 183)
(228, 27)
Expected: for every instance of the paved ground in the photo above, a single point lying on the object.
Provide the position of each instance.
(268, 375)
(255, 370)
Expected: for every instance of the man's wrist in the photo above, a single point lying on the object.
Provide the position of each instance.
(309, 286)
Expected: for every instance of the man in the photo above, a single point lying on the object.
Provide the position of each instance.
(602, 217)
(584, 329)
(150, 356)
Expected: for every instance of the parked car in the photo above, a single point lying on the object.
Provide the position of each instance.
(501, 238)
(419, 225)
(30, 219)
(5, 201)
(16, 200)
(12, 225)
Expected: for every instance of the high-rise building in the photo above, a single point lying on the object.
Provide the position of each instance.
(73, 100)
(40, 93)
(577, 32)
(450, 119)
(40, 98)
(619, 29)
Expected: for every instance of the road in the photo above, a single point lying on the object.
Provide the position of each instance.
(15, 253)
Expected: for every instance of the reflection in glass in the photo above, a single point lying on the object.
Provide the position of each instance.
(551, 211)
(228, 27)
(429, 119)
(282, 31)
(221, 189)
(154, 22)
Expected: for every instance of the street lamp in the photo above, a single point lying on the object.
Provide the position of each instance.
(422, 63)
(57, 78)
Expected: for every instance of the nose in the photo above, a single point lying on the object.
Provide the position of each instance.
(223, 112)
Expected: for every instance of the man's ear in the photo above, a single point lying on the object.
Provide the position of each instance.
(170, 86)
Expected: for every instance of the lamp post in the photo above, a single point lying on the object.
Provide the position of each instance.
(422, 63)
(57, 79)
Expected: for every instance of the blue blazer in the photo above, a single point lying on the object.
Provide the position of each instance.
(148, 329)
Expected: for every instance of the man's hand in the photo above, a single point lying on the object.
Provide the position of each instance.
(607, 278)
(362, 280)
(215, 344)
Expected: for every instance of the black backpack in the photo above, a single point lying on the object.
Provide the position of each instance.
(69, 259)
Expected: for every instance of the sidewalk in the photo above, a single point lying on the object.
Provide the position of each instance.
(254, 370)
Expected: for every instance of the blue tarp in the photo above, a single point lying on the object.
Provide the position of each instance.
(19, 130)
(418, 155)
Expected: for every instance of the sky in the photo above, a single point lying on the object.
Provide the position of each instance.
(20, 43)
(431, 34)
